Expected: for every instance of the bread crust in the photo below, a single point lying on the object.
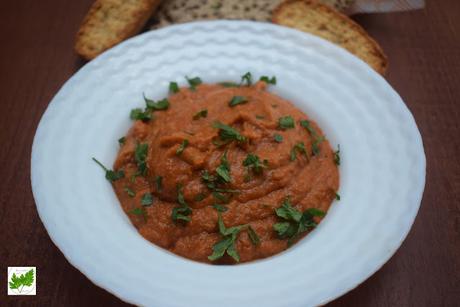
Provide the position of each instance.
(376, 58)
(108, 22)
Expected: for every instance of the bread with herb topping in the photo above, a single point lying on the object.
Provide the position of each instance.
(316, 18)
(109, 22)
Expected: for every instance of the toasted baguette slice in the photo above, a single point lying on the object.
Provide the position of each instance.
(319, 19)
(109, 22)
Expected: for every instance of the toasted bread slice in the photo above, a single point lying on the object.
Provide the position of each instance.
(179, 11)
(321, 20)
(109, 22)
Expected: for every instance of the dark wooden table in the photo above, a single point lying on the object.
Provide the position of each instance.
(36, 58)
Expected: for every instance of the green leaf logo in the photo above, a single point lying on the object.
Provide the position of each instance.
(18, 282)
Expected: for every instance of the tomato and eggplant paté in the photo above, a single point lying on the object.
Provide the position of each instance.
(224, 173)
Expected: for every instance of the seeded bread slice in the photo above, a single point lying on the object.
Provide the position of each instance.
(109, 22)
(180, 11)
(316, 18)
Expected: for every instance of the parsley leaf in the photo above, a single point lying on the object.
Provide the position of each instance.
(156, 106)
(139, 212)
(337, 155)
(129, 191)
(236, 100)
(253, 162)
(253, 236)
(173, 87)
(220, 197)
(278, 138)
(203, 113)
(22, 280)
(228, 133)
(229, 84)
(138, 114)
(158, 183)
(286, 122)
(220, 208)
(193, 82)
(337, 196)
(315, 145)
(181, 148)
(208, 179)
(181, 214)
(294, 222)
(199, 197)
(109, 174)
(246, 78)
(229, 236)
(316, 138)
(183, 211)
(140, 155)
(299, 147)
(223, 170)
(268, 80)
(121, 141)
(306, 124)
(147, 199)
(227, 244)
(260, 116)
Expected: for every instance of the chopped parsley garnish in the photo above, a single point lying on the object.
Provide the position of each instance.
(220, 208)
(121, 141)
(337, 196)
(260, 116)
(223, 170)
(138, 114)
(252, 162)
(236, 100)
(162, 104)
(337, 155)
(253, 236)
(268, 80)
(229, 236)
(147, 199)
(193, 82)
(173, 87)
(294, 222)
(315, 145)
(183, 211)
(300, 148)
(246, 78)
(146, 114)
(229, 84)
(139, 212)
(278, 138)
(110, 175)
(306, 124)
(199, 197)
(316, 138)
(286, 122)
(129, 191)
(181, 148)
(220, 197)
(158, 183)
(209, 179)
(203, 113)
(140, 155)
(227, 133)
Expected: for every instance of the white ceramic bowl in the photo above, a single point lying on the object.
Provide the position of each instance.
(382, 171)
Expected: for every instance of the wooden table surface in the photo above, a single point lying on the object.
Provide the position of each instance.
(36, 58)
